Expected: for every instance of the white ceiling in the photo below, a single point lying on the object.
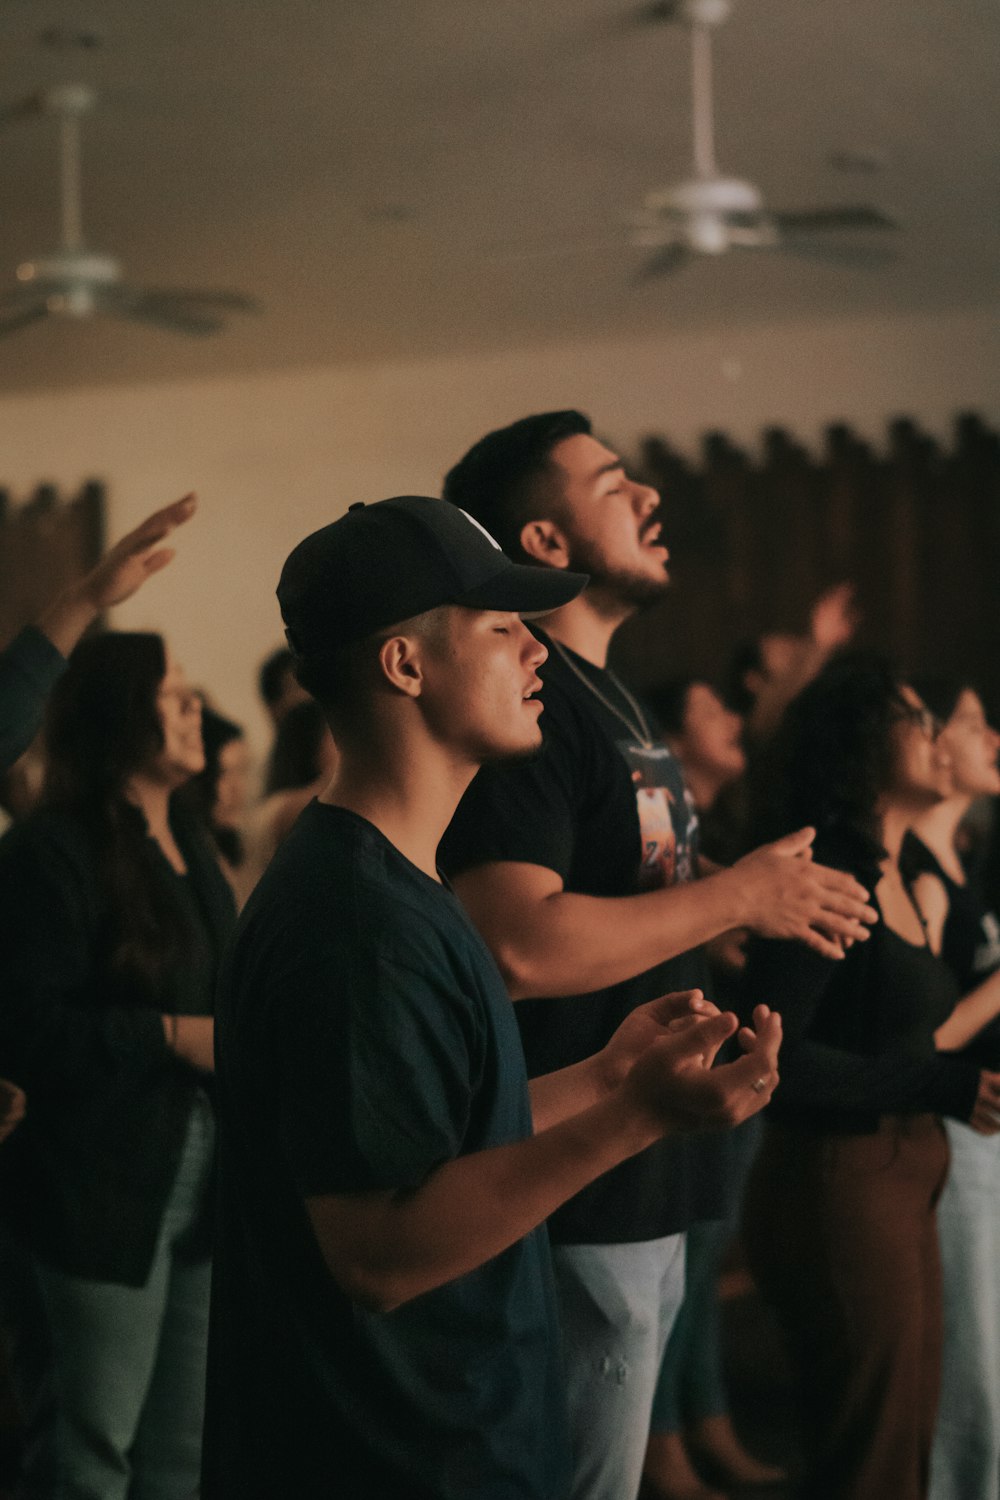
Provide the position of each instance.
(355, 164)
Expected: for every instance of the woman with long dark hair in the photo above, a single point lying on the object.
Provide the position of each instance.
(113, 913)
(840, 1213)
(966, 1456)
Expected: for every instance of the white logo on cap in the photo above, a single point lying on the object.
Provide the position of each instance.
(480, 527)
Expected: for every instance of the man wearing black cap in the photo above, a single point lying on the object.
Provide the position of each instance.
(382, 1321)
(577, 868)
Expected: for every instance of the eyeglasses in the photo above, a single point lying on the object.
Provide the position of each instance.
(921, 718)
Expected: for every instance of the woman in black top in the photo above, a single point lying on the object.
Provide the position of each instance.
(113, 913)
(839, 1219)
(966, 1455)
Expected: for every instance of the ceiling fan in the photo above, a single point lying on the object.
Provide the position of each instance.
(76, 282)
(709, 213)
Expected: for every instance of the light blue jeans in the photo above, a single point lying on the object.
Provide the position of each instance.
(617, 1305)
(128, 1363)
(965, 1460)
(691, 1385)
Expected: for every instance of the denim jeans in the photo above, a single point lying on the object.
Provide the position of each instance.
(617, 1304)
(691, 1385)
(965, 1461)
(128, 1363)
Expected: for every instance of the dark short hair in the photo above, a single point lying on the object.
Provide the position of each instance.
(497, 480)
(669, 701)
(295, 757)
(272, 674)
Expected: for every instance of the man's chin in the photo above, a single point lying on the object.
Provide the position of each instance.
(506, 754)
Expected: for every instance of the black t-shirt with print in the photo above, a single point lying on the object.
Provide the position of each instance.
(611, 818)
(364, 1037)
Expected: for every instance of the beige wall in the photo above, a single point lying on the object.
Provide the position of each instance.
(274, 456)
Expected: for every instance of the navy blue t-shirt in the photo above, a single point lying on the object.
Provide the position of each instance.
(364, 1037)
(612, 817)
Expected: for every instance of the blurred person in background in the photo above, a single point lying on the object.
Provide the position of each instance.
(32, 664)
(966, 1456)
(219, 795)
(691, 1430)
(767, 673)
(278, 685)
(113, 914)
(302, 762)
(839, 1222)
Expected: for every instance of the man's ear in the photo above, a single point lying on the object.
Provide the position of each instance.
(544, 541)
(400, 664)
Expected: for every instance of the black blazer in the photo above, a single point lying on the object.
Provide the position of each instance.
(85, 1178)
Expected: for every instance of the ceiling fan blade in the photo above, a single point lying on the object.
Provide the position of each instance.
(861, 257)
(663, 262)
(224, 301)
(508, 254)
(13, 321)
(859, 217)
(120, 302)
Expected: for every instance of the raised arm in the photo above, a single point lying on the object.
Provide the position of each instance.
(119, 574)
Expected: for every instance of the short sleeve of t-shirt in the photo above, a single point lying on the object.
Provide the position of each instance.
(378, 1060)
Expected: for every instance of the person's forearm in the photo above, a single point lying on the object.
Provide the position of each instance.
(385, 1249)
(557, 1096)
(974, 1011)
(570, 944)
(67, 617)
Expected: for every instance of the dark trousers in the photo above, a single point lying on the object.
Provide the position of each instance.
(841, 1237)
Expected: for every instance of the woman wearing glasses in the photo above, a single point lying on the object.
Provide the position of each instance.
(113, 913)
(840, 1213)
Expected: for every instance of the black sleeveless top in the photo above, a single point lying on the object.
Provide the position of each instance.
(970, 942)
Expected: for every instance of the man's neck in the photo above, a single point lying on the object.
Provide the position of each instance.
(408, 792)
(586, 626)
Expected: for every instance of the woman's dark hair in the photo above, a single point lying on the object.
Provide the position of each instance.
(831, 759)
(103, 726)
(669, 701)
(200, 793)
(295, 759)
(941, 694)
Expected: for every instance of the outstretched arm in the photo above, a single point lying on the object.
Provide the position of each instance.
(550, 941)
(119, 574)
(384, 1248)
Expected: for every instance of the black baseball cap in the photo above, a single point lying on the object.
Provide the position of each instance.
(385, 562)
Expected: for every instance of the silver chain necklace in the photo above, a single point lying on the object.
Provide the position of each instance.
(639, 727)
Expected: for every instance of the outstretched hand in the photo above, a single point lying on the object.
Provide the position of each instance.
(674, 1085)
(117, 576)
(128, 564)
(834, 618)
(645, 1025)
(786, 894)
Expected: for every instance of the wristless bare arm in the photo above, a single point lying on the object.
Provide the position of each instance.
(974, 1011)
(193, 1040)
(549, 941)
(384, 1248)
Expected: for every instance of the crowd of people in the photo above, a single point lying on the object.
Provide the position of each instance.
(386, 1135)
